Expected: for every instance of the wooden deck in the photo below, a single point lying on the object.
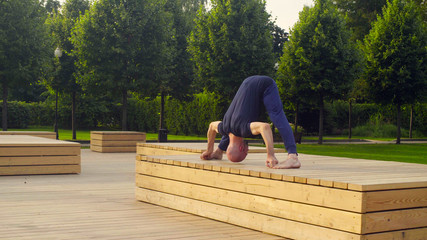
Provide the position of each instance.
(99, 203)
(328, 198)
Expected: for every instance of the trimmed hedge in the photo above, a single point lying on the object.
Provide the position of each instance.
(192, 117)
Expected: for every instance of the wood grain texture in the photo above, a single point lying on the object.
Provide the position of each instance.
(99, 203)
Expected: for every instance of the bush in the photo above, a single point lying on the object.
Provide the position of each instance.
(18, 114)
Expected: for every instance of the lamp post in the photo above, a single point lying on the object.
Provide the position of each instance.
(58, 54)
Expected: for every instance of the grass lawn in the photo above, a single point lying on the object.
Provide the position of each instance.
(84, 135)
(411, 153)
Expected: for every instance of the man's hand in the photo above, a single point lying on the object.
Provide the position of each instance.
(271, 161)
(217, 154)
(206, 155)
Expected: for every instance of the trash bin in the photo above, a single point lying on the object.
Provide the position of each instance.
(163, 135)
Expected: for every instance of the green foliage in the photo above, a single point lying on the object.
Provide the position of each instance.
(193, 117)
(360, 14)
(190, 117)
(229, 43)
(23, 41)
(23, 45)
(319, 60)
(396, 55)
(122, 46)
(18, 113)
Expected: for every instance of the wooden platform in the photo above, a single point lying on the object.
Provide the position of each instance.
(171, 148)
(328, 198)
(26, 155)
(45, 134)
(100, 204)
(115, 141)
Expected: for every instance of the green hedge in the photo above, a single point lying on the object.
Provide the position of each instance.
(192, 116)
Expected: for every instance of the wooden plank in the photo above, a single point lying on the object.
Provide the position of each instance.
(389, 184)
(369, 175)
(198, 147)
(261, 222)
(303, 193)
(117, 135)
(395, 199)
(44, 169)
(39, 151)
(31, 141)
(394, 220)
(415, 234)
(326, 217)
(44, 134)
(125, 143)
(39, 160)
(148, 151)
(112, 149)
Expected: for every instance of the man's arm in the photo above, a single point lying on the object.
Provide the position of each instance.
(209, 153)
(266, 133)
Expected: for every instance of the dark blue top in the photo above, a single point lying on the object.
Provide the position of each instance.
(245, 107)
(256, 95)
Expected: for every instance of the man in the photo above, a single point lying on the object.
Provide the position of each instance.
(241, 120)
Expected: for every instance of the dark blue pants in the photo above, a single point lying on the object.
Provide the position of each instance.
(274, 108)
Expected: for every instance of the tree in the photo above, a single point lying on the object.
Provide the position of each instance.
(177, 82)
(23, 45)
(396, 54)
(280, 37)
(360, 13)
(229, 43)
(60, 26)
(122, 45)
(319, 61)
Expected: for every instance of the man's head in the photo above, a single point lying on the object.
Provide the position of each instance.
(237, 149)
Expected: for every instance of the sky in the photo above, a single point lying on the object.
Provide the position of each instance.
(286, 11)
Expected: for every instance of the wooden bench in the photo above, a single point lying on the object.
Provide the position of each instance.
(328, 198)
(115, 141)
(45, 134)
(27, 155)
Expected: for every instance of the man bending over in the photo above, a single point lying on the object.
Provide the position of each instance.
(241, 120)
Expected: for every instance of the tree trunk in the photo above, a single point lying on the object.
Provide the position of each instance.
(321, 107)
(56, 115)
(399, 114)
(296, 119)
(162, 110)
(4, 110)
(124, 109)
(73, 114)
(410, 121)
(349, 119)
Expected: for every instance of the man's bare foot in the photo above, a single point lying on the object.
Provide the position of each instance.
(217, 154)
(291, 162)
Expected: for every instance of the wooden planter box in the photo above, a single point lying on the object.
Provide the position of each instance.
(328, 198)
(27, 155)
(115, 141)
